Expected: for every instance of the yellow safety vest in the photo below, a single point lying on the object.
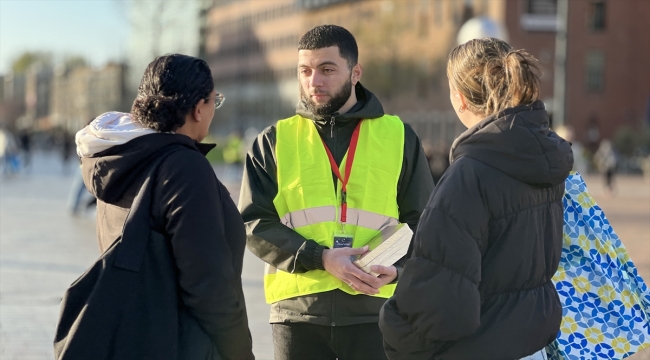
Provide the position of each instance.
(308, 203)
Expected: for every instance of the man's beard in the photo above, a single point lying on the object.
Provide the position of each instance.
(336, 102)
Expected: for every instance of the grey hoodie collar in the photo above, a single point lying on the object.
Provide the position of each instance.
(107, 130)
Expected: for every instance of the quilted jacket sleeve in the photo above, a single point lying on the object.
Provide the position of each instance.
(208, 251)
(268, 238)
(437, 298)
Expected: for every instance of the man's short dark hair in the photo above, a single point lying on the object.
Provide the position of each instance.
(331, 35)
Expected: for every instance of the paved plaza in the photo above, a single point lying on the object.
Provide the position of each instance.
(43, 248)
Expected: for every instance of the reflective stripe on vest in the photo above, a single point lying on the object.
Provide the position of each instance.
(357, 217)
(309, 203)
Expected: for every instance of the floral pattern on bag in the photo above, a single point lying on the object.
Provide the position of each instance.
(606, 304)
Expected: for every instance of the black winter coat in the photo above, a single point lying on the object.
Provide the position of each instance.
(478, 285)
(194, 210)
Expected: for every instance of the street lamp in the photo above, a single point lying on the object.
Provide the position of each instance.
(559, 75)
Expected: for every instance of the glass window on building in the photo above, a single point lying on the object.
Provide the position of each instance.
(456, 10)
(485, 6)
(539, 15)
(468, 10)
(595, 70)
(596, 15)
(541, 7)
(423, 18)
(437, 12)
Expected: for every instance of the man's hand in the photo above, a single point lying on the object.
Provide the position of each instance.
(338, 262)
(386, 273)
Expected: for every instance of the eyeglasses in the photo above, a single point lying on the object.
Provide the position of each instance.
(218, 100)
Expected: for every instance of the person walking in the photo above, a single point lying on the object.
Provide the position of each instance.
(605, 160)
(25, 139)
(173, 109)
(339, 169)
(478, 284)
(9, 160)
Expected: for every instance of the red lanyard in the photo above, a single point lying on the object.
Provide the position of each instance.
(348, 168)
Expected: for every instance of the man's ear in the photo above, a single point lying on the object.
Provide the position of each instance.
(357, 70)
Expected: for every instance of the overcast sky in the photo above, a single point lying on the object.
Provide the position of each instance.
(94, 29)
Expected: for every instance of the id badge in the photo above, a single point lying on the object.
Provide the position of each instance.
(342, 241)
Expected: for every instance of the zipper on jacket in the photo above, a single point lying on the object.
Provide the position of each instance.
(332, 122)
(333, 323)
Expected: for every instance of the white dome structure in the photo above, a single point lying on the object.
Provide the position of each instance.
(481, 27)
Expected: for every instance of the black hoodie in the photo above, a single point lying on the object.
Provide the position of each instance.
(196, 213)
(478, 285)
(287, 250)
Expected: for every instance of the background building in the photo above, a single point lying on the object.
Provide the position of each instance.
(251, 47)
(608, 76)
(37, 96)
(81, 93)
(607, 72)
(12, 105)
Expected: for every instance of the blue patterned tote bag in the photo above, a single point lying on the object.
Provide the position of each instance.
(606, 304)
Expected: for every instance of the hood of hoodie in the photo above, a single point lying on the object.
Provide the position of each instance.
(367, 107)
(518, 142)
(126, 150)
(107, 130)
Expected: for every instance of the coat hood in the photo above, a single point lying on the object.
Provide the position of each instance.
(518, 142)
(107, 130)
(115, 152)
(367, 107)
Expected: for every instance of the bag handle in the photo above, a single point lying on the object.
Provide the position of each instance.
(137, 228)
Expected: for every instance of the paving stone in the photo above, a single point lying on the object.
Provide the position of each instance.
(43, 248)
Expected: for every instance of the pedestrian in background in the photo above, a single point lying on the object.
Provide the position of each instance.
(9, 159)
(580, 160)
(25, 138)
(67, 144)
(191, 208)
(300, 190)
(605, 161)
(478, 284)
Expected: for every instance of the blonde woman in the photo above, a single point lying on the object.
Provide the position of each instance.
(478, 284)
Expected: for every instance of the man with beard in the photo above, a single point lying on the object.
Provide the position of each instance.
(316, 188)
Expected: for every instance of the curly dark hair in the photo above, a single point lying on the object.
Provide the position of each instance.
(170, 87)
(331, 35)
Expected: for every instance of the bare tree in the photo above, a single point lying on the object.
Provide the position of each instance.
(155, 18)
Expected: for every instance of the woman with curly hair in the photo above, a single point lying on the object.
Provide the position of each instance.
(190, 207)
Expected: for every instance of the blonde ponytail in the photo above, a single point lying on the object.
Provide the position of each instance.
(492, 76)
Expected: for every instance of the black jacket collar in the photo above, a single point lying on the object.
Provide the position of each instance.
(112, 171)
(518, 142)
(367, 107)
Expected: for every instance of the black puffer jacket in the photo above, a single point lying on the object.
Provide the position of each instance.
(478, 285)
(195, 211)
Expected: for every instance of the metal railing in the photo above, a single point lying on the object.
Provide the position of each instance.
(436, 128)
